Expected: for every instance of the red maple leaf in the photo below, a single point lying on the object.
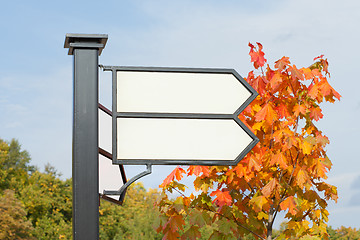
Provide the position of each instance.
(290, 204)
(267, 113)
(282, 110)
(176, 173)
(269, 188)
(282, 63)
(258, 83)
(197, 170)
(316, 113)
(257, 55)
(280, 159)
(319, 57)
(222, 197)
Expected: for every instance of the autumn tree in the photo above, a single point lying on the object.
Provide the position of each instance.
(14, 165)
(284, 172)
(13, 221)
(344, 233)
(48, 201)
(134, 219)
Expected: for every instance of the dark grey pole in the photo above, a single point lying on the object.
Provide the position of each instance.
(86, 48)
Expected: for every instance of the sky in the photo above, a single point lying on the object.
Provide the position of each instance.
(36, 88)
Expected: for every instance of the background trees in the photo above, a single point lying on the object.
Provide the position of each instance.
(13, 221)
(134, 219)
(39, 207)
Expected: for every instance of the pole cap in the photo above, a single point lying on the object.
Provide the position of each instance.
(92, 41)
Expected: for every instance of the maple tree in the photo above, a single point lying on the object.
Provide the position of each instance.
(284, 172)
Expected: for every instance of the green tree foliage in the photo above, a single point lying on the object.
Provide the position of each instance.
(344, 233)
(13, 221)
(14, 166)
(133, 220)
(39, 204)
(47, 199)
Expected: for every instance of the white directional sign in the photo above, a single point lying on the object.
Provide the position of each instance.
(180, 139)
(179, 116)
(179, 92)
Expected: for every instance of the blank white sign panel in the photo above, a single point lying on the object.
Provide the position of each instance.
(174, 92)
(198, 139)
(105, 131)
(109, 176)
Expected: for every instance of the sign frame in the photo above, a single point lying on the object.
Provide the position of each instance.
(167, 115)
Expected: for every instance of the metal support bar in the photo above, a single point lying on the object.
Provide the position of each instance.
(127, 184)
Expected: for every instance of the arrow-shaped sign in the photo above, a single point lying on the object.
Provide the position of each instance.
(180, 116)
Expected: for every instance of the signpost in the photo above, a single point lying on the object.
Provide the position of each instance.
(160, 116)
(86, 48)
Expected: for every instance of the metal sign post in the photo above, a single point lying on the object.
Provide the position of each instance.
(159, 116)
(86, 48)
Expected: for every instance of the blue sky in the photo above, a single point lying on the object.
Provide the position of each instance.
(36, 72)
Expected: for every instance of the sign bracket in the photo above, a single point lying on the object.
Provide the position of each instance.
(127, 184)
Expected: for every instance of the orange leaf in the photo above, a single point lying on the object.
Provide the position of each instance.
(176, 222)
(257, 56)
(269, 188)
(278, 135)
(307, 72)
(327, 91)
(267, 113)
(306, 147)
(320, 168)
(222, 197)
(314, 91)
(325, 87)
(316, 114)
(276, 81)
(259, 202)
(171, 236)
(279, 159)
(289, 203)
(319, 57)
(240, 170)
(322, 140)
(259, 84)
(176, 173)
(289, 142)
(282, 63)
(283, 111)
(295, 73)
(253, 164)
(299, 109)
(197, 170)
(301, 178)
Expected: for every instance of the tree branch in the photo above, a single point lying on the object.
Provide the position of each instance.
(282, 198)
